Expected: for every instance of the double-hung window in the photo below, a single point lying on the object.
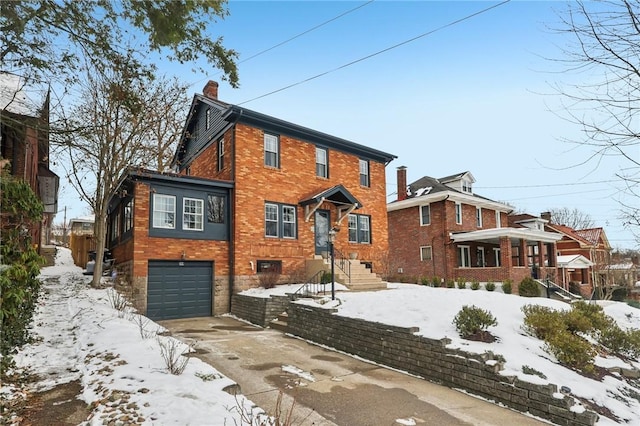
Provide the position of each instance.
(280, 221)
(192, 214)
(364, 173)
(164, 211)
(425, 215)
(322, 164)
(271, 150)
(426, 253)
(479, 217)
(359, 229)
(220, 154)
(458, 213)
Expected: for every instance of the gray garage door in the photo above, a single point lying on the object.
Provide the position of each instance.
(179, 289)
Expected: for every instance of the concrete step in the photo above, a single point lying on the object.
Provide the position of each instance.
(279, 325)
(370, 286)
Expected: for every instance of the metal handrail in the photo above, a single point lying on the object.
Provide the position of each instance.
(342, 262)
(550, 285)
(312, 287)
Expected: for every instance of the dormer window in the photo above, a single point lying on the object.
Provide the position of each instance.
(466, 186)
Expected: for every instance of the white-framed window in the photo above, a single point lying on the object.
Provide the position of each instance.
(322, 164)
(359, 228)
(480, 258)
(459, 213)
(164, 211)
(425, 215)
(207, 121)
(496, 254)
(426, 253)
(479, 217)
(220, 154)
(271, 150)
(192, 214)
(364, 173)
(464, 257)
(466, 186)
(271, 220)
(280, 221)
(288, 222)
(498, 220)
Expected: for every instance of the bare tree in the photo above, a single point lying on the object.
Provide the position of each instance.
(574, 219)
(605, 100)
(112, 127)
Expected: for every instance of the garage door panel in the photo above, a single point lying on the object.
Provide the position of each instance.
(179, 289)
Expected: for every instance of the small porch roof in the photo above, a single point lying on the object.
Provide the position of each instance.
(573, 261)
(493, 235)
(336, 194)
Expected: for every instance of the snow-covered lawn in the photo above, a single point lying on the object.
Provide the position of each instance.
(433, 310)
(117, 355)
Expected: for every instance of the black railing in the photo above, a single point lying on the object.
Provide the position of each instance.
(342, 262)
(555, 288)
(313, 287)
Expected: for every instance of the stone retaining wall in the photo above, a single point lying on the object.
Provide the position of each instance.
(258, 310)
(400, 348)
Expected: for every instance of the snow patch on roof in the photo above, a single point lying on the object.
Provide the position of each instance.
(423, 191)
(19, 96)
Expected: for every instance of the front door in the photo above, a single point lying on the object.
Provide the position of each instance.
(322, 221)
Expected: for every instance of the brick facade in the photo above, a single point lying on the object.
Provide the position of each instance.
(290, 183)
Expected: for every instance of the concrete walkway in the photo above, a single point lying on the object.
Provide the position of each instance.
(326, 387)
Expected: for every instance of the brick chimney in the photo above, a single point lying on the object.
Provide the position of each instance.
(211, 90)
(546, 216)
(402, 183)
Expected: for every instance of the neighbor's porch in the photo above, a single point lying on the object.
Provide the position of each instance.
(504, 253)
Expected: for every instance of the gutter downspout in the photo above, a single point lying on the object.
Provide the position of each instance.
(444, 241)
(232, 225)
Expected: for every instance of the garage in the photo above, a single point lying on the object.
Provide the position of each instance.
(179, 289)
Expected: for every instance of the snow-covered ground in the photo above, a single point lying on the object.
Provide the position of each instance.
(433, 311)
(117, 356)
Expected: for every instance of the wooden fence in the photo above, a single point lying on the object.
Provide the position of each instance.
(80, 246)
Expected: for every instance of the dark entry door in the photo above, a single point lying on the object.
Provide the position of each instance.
(322, 221)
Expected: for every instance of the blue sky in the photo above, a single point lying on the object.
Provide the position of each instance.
(471, 96)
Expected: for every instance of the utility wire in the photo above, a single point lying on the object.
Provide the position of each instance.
(292, 38)
(457, 21)
(545, 185)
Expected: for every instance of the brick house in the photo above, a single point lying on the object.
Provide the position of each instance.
(24, 142)
(250, 193)
(591, 244)
(442, 228)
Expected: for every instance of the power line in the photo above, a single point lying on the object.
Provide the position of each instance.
(545, 185)
(293, 38)
(457, 21)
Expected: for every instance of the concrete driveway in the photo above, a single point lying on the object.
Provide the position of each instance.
(327, 387)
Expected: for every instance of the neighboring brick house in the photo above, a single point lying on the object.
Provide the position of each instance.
(590, 243)
(24, 142)
(441, 228)
(282, 190)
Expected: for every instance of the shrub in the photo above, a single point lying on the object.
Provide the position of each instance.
(490, 286)
(541, 321)
(571, 350)
(269, 279)
(475, 285)
(594, 313)
(325, 278)
(621, 342)
(633, 303)
(619, 294)
(450, 283)
(435, 281)
(424, 280)
(574, 287)
(471, 320)
(528, 288)
(530, 370)
(461, 283)
(506, 286)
